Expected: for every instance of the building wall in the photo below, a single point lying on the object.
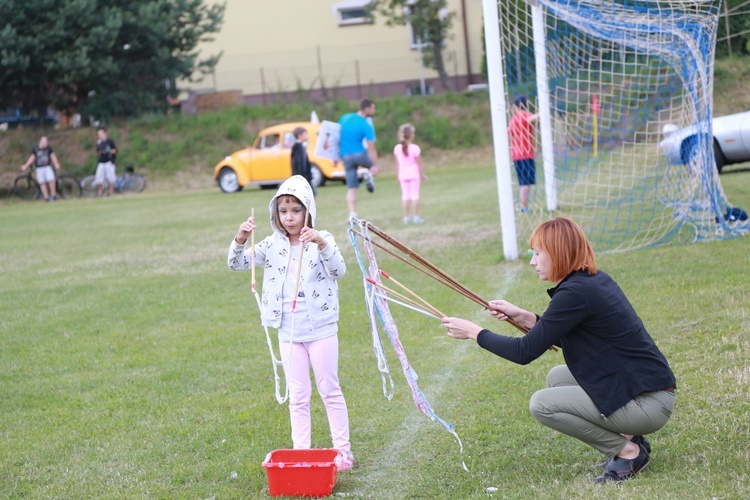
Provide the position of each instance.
(297, 45)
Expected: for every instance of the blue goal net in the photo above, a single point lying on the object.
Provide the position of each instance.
(623, 139)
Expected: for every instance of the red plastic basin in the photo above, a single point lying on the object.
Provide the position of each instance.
(301, 473)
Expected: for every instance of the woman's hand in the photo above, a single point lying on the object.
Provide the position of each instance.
(310, 235)
(246, 228)
(460, 328)
(503, 310)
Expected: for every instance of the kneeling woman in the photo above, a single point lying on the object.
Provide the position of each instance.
(616, 386)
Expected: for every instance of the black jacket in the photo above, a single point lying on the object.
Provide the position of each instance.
(604, 342)
(300, 162)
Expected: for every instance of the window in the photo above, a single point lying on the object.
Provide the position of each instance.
(348, 16)
(352, 12)
(414, 41)
(289, 140)
(270, 141)
(424, 39)
(416, 89)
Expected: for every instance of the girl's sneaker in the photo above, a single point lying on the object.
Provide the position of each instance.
(406, 220)
(417, 219)
(344, 461)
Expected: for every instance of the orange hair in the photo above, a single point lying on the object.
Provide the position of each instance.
(566, 245)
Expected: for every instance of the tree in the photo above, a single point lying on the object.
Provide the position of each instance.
(430, 22)
(733, 35)
(101, 57)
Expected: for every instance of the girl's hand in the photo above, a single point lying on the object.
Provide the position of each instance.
(310, 235)
(244, 231)
(460, 328)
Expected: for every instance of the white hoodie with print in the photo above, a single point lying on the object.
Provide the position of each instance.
(321, 269)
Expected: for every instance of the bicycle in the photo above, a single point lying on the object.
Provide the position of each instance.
(128, 182)
(26, 187)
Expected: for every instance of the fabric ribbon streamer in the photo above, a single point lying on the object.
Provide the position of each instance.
(280, 361)
(274, 360)
(281, 399)
(378, 311)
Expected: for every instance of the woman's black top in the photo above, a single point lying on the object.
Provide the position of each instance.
(604, 342)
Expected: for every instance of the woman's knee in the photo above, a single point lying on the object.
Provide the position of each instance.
(560, 376)
(537, 406)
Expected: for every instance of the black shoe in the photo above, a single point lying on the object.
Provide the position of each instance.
(639, 440)
(621, 469)
(642, 441)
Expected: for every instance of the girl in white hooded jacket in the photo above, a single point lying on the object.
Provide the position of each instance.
(314, 340)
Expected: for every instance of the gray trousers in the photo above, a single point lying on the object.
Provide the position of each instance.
(565, 407)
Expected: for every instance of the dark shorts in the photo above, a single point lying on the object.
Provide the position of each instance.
(526, 171)
(351, 164)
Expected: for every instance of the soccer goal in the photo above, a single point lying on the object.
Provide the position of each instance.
(608, 78)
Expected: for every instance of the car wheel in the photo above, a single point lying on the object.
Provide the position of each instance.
(719, 156)
(228, 181)
(318, 179)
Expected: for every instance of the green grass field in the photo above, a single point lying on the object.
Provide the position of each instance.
(133, 363)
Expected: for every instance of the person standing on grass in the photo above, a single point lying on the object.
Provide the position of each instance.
(616, 386)
(300, 161)
(356, 131)
(410, 171)
(106, 152)
(313, 340)
(43, 159)
(521, 132)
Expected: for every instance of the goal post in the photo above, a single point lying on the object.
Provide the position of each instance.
(545, 120)
(500, 128)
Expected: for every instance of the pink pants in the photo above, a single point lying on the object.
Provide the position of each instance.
(410, 189)
(323, 355)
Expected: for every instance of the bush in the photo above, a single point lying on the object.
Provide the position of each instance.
(234, 132)
(437, 131)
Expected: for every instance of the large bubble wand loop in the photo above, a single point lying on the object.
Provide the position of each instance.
(421, 264)
(380, 307)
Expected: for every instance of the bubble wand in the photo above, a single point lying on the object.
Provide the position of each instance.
(252, 254)
(299, 267)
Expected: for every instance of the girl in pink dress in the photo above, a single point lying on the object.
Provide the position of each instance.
(410, 171)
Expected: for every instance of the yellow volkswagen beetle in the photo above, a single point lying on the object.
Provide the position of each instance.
(268, 162)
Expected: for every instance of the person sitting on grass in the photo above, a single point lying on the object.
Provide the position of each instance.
(616, 386)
